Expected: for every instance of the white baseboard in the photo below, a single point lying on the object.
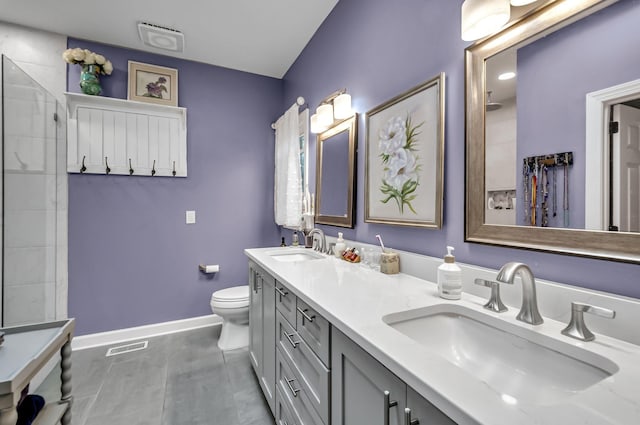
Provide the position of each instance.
(123, 335)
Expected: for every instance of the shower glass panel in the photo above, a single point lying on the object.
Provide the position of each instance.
(29, 198)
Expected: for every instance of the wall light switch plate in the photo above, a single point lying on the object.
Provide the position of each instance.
(191, 217)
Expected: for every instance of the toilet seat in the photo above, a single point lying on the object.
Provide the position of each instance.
(234, 297)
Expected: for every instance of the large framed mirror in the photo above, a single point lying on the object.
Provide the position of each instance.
(534, 161)
(335, 174)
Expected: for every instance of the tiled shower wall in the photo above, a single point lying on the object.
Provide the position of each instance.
(35, 268)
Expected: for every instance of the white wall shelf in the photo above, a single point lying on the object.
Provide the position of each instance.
(125, 135)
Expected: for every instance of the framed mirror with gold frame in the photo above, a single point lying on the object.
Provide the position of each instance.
(335, 174)
(543, 24)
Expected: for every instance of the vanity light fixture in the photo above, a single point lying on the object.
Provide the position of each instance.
(506, 76)
(335, 107)
(481, 18)
(521, 2)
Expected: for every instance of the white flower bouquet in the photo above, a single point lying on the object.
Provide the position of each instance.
(397, 143)
(78, 56)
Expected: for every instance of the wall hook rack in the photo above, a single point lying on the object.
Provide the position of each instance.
(106, 161)
(84, 168)
(562, 159)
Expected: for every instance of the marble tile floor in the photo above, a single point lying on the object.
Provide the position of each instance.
(182, 378)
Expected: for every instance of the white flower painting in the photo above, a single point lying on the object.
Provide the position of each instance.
(405, 144)
(397, 144)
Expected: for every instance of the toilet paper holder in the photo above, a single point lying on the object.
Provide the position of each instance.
(209, 268)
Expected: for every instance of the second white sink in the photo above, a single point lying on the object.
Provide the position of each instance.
(288, 255)
(522, 365)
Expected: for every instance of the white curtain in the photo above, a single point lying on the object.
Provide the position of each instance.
(288, 179)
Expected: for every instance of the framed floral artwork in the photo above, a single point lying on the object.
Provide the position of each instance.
(152, 84)
(405, 157)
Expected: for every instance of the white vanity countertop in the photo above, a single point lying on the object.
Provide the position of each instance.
(354, 299)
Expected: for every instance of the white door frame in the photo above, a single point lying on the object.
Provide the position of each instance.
(596, 168)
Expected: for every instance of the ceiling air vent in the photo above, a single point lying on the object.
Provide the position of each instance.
(161, 37)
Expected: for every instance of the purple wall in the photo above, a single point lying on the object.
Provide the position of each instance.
(132, 259)
(378, 49)
(554, 76)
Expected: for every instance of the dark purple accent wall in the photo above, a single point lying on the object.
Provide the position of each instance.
(555, 75)
(132, 259)
(378, 49)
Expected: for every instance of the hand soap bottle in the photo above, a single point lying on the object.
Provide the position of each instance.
(340, 246)
(449, 277)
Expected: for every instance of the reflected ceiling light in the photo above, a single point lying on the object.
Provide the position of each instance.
(509, 399)
(521, 2)
(336, 106)
(481, 18)
(506, 76)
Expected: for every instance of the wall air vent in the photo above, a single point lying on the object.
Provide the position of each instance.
(161, 37)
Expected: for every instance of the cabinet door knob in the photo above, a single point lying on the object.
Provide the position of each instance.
(294, 391)
(291, 341)
(305, 315)
(407, 418)
(388, 404)
(283, 292)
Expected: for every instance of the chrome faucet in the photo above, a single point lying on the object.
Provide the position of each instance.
(322, 241)
(529, 311)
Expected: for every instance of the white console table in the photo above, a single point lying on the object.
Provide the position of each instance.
(26, 349)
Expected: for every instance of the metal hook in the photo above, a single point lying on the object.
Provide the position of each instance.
(174, 169)
(130, 168)
(107, 164)
(83, 169)
(153, 169)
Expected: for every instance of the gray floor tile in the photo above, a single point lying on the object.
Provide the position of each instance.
(141, 416)
(182, 378)
(80, 409)
(252, 407)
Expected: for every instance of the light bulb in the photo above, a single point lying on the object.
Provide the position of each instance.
(521, 2)
(325, 115)
(342, 106)
(481, 18)
(315, 125)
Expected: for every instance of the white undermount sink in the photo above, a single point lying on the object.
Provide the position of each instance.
(520, 364)
(288, 255)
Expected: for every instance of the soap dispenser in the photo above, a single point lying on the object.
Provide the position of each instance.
(340, 246)
(449, 277)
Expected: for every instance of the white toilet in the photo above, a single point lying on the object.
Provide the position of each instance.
(232, 305)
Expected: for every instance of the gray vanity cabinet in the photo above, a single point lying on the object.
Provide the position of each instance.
(358, 385)
(364, 392)
(262, 330)
(255, 318)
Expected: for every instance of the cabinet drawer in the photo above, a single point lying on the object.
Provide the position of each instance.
(314, 330)
(311, 373)
(286, 303)
(284, 416)
(294, 393)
